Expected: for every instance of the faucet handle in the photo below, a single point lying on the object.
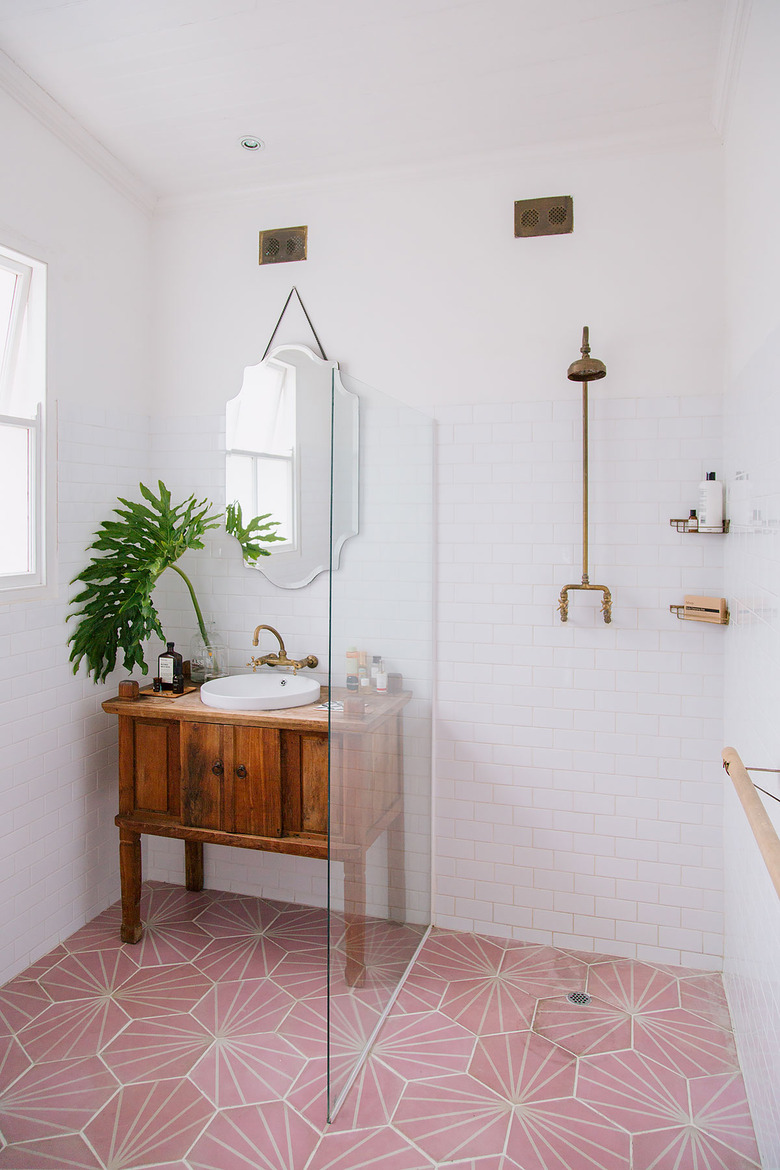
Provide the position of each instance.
(254, 663)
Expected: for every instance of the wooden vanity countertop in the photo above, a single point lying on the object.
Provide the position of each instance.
(313, 717)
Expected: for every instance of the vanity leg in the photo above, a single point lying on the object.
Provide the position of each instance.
(396, 867)
(355, 917)
(130, 876)
(193, 865)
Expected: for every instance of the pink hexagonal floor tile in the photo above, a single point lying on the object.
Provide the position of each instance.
(156, 991)
(148, 1124)
(381, 1149)
(420, 993)
(21, 1001)
(250, 956)
(453, 1118)
(237, 914)
(424, 1045)
(633, 986)
(54, 1099)
(303, 974)
(352, 1022)
(247, 1069)
(685, 1042)
(522, 1066)
(565, 1135)
(44, 963)
(68, 1150)
(154, 1050)
(633, 1092)
(299, 928)
(243, 1008)
(460, 956)
(101, 934)
(495, 1003)
(720, 1108)
(75, 1028)
(686, 1148)
(370, 1102)
(88, 975)
(543, 971)
(583, 1029)
(705, 995)
(250, 1138)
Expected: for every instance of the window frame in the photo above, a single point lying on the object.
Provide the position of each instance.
(30, 306)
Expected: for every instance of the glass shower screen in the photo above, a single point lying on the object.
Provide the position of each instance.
(380, 679)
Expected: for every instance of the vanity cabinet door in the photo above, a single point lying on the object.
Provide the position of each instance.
(204, 767)
(231, 778)
(149, 768)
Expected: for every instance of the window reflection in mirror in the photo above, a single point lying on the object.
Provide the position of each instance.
(278, 439)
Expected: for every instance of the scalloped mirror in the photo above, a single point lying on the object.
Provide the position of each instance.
(278, 459)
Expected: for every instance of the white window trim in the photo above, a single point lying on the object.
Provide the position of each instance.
(39, 585)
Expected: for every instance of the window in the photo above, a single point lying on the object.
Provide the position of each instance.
(22, 417)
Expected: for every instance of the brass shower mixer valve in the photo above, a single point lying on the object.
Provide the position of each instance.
(606, 601)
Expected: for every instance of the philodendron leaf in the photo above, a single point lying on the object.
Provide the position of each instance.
(259, 528)
(116, 611)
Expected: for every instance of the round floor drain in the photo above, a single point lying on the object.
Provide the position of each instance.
(580, 998)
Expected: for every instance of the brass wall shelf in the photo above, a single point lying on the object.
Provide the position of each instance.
(684, 526)
(679, 612)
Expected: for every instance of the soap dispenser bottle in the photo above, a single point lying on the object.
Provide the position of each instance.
(710, 504)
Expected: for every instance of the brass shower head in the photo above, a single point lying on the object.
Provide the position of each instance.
(586, 368)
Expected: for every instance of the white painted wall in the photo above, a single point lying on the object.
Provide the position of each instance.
(58, 857)
(752, 430)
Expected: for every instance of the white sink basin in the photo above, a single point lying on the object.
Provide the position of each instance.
(259, 692)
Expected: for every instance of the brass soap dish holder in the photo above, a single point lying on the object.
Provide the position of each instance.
(685, 526)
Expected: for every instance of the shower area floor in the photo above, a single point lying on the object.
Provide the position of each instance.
(203, 1048)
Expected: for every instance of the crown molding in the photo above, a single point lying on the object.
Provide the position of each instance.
(36, 101)
(736, 19)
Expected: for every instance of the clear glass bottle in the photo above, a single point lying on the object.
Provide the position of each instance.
(208, 659)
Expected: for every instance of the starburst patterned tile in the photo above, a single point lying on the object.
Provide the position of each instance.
(704, 995)
(69, 1151)
(248, 956)
(45, 963)
(247, 1068)
(154, 1050)
(720, 1108)
(54, 1098)
(458, 956)
(248, 1138)
(633, 986)
(593, 1027)
(155, 991)
(299, 928)
(148, 1124)
(420, 992)
(543, 971)
(101, 934)
(686, 1149)
(685, 1042)
(88, 975)
(170, 933)
(75, 1028)
(13, 1061)
(381, 1149)
(352, 1022)
(237, 915)
(240, 1008)
(633, 1092)
(423, 1046)
(303, 974)
(492, 1004)
(522, 1066)
(453, 1117)
(370, 1102)
(563, 1134)
(21, 1001)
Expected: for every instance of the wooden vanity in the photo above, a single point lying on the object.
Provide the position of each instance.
(259, 780)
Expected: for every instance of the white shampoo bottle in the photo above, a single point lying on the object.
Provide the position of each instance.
(710, 504)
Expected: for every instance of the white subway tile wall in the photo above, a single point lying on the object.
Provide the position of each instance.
(59, 861)
(579, 794)
(752, 695)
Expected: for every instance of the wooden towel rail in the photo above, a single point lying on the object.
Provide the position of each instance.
(763, 829)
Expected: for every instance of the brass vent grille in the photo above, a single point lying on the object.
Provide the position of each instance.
(551, 216)
(281, 245)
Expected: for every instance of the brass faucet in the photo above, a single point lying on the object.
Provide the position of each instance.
(280, 658)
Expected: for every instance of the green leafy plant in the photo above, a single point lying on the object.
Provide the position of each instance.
(116, 611)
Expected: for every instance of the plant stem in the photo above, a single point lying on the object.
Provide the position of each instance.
(198, 614)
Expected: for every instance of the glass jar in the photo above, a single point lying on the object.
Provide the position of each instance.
(208, 659)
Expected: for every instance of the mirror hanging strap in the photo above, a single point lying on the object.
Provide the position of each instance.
(306, 315)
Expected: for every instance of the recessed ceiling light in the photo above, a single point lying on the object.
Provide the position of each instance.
(252, 142)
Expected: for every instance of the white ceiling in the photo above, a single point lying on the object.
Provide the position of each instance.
(168, 86)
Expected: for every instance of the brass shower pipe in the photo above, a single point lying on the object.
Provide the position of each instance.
(586, 369)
